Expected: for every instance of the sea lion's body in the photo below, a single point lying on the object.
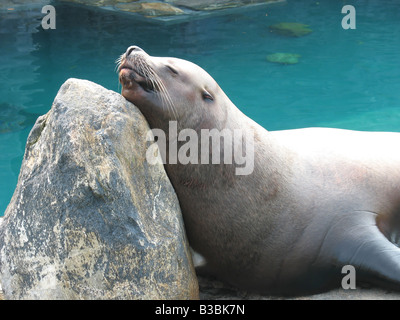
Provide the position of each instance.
(317, 199)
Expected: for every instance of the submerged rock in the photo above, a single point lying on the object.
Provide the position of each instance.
(14, 118)
(283, 58)
(90, 218)
(208, 5)
(290, 29)
(15, 4)
(96, 3)
(150, 9)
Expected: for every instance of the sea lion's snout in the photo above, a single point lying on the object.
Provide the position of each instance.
(134, 49)
(135, 72)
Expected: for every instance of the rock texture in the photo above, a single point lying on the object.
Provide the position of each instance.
(90, 218)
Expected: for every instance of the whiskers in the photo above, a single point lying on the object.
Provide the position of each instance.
(119, 61)
(166, 100)
(153, 81)
(118, 64)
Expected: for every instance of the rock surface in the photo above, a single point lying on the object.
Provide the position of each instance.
(90, 218)
(290, 29)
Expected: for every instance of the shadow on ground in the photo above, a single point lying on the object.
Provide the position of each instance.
(216, 290)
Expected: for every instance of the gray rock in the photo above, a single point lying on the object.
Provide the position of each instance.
(90, 218)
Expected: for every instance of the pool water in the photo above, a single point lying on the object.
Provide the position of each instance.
(345, 78)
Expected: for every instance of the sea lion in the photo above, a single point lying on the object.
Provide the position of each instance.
(317, 199)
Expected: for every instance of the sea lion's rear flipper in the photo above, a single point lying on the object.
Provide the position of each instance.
(357, 241)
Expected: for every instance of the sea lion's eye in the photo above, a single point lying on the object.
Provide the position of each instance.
(172, 69)
(207, 96)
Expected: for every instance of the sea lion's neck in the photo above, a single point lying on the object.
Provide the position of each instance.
(220, 165)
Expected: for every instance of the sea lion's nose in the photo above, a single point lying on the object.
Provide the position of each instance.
(131, 49)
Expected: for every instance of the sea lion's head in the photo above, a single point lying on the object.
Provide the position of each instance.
(167, 89)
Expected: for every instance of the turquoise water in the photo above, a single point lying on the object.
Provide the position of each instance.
(345, 78)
